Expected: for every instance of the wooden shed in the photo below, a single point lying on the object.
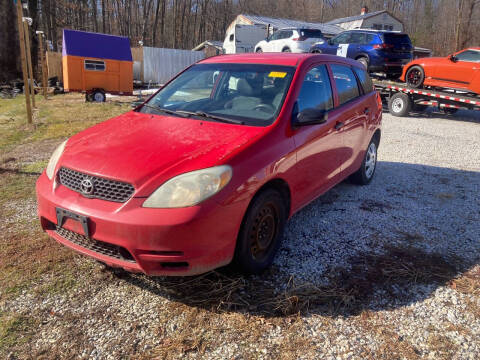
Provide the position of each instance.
(97, 63)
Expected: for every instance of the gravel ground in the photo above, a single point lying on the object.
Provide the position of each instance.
(389, 270)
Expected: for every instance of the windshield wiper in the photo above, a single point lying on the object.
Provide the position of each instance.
(211, 116)
(166, 111)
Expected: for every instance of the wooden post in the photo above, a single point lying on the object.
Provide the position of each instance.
(29, 62)
(44, 67)
(26, 87)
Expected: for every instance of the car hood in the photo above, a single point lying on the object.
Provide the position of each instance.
(137, 148)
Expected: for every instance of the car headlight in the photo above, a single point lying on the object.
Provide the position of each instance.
(190, 188)
(52, 163)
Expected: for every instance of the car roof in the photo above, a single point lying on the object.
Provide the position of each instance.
(378, 31)
(285, 59)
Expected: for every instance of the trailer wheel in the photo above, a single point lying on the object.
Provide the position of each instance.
(449, 111)
(98, 96)
(400, 104)
(415, 77)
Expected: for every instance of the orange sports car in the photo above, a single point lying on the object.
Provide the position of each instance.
(460, 71)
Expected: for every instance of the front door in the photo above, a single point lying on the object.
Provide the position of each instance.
(459, 73)
(319, 147)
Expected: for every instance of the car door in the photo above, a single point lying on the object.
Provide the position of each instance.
(271, 41)
(319, 146)
(355, 109)
(283, 40)
(355, 41)
(331, 46)
(460, 71)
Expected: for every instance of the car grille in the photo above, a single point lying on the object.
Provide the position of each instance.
(100, 247)
(104, 189)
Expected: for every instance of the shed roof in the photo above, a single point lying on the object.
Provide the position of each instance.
(95, 45)
(356, 17)
(288, 23)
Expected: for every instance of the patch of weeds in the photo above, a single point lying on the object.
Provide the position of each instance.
(34, 168)
(15, 330)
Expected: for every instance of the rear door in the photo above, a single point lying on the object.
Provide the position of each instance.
(319, 147)
(355, 108)
(355, 42)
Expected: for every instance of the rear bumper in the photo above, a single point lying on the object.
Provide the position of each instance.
(184, 241)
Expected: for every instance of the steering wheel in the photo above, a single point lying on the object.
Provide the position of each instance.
(265, 108)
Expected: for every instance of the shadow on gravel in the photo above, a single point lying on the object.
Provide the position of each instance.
(386, 277)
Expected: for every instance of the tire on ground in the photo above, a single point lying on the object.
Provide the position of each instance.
(365, 174)
(261, 232)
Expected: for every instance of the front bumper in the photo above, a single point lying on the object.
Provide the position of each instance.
(185, 241)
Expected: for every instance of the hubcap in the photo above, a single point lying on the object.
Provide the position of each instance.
(371, 160)
(397, 105)
(263, 231)
(98, 97)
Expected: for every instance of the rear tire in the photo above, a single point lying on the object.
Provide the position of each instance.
(261, 233)
(364, 61)
(365, 174)
(415, 77)
(400, 104)
(287, 50)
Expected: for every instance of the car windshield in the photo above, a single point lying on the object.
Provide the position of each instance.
(397, 39)
(309, 33)
(250, 94)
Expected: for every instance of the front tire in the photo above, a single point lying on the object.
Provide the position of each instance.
(415, 77)
(259, 50)
(364, 175)
(287, 50)
(261, 233)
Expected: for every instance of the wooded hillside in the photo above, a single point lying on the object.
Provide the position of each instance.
(441, 25)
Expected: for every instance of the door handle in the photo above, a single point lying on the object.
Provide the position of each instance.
(339, 125)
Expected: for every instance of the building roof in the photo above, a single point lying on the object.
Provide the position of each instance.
(95, 45)
(216, 44)
(356, 17)
(289, 23)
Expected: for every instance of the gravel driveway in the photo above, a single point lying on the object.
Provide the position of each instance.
(389, 270)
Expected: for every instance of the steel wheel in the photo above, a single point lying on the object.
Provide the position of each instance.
(263, 231)
(398, 105)
(371, 160)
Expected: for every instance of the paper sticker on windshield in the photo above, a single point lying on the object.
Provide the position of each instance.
(277, 74)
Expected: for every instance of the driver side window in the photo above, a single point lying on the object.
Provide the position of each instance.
(316, 91)
(341, 39)
(469, 55)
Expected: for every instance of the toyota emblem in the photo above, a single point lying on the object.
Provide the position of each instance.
(86, 186)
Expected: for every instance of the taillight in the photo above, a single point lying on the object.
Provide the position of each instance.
(383, 46)
(301, 38)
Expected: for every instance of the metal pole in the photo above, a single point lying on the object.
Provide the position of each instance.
(29, 62)
(26, 87)
(44, 67)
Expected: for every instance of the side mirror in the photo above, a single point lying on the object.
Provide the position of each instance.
(309, 117)
(453, 58)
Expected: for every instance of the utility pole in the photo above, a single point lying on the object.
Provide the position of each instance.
(43, 64)
(26, 87)
(29, 61)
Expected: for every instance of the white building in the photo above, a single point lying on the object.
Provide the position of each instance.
(378, 20)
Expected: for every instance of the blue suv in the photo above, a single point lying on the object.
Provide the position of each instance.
(379, 51)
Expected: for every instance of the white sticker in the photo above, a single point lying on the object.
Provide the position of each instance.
(342, 50)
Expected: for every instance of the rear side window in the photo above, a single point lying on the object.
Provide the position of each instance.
(365, 80)
(357, 38)
(347, 86)
(369, 38)
(316, 92)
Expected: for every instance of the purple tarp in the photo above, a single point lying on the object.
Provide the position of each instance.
(95, 45)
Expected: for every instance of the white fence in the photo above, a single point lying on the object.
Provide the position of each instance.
(160, 65)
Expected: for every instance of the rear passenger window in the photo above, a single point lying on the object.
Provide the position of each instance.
(365, 80)
(316, 92)
(347, 86)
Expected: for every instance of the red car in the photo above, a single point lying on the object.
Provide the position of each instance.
(209, 169)
(458, 71)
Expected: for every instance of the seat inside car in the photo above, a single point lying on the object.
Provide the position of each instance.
(247, 98)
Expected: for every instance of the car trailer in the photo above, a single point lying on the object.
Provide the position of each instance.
(402, 99)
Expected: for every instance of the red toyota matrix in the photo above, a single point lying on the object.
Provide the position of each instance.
(209, 169)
